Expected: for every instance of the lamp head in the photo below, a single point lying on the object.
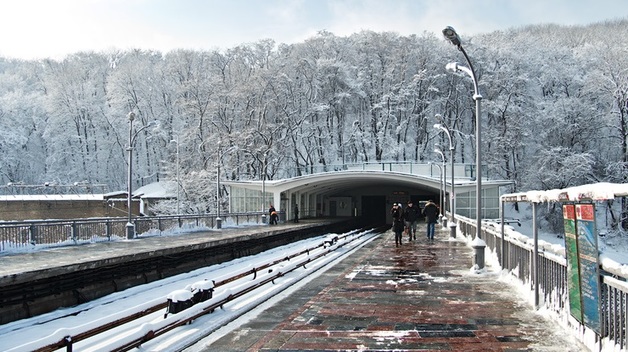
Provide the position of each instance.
(131, 116)
(452, 67)
(451, 35)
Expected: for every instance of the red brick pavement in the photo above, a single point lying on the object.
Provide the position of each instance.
(421, 296)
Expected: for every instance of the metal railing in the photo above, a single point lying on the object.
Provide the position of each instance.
(32, 233)
(552, 280)
(462, 170)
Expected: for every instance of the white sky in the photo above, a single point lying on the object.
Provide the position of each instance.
(33, 29)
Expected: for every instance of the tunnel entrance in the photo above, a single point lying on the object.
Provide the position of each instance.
(374, 209)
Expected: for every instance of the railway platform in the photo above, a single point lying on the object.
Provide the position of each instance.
(421, 296)
(37, 282)
(59, 260)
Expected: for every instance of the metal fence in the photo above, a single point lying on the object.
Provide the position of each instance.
(518, 258)
(28, 234)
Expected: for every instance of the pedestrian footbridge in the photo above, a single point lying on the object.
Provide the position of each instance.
(367, 190)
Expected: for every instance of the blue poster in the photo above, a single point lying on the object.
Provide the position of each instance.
(573, 263)
(589, 266)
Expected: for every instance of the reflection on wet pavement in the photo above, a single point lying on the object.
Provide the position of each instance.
(420, 296)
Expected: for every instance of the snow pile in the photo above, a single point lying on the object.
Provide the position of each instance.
(595, 191)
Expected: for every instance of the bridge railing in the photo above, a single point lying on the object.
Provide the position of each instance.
(461, 170)
(23, 235)
(552, 279)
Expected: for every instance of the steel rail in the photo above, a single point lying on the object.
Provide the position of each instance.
(327, 246)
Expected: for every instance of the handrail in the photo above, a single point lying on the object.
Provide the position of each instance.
(552, 278)
(28, 233)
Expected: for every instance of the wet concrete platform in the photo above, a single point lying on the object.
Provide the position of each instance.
(421, 296)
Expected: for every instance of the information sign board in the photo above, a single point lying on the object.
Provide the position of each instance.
(573, 264)
(589, 265)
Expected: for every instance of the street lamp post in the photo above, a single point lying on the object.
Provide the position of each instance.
(178, 181)
(130, 227)
(444, 189)
(264, 188)
(452, 196)
(218, 219)
(453, 37)
(218, 192)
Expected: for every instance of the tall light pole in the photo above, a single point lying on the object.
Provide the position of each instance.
(264, 190)
(452, 195)
(444, 190)
(130, 227)
(440, 190)
(178, 181)
(218, 192)
(218, 219)
(453, 37)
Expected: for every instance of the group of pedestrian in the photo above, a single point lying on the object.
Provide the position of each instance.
(405, 220)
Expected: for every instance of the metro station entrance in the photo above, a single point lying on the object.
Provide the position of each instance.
(374, 209)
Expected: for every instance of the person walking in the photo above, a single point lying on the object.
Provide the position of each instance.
(296, 213)
(397, 217)
(431, 216)
(411, 216)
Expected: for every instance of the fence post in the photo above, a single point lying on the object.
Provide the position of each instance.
(108, 230)
(75, 230)
(32, 234)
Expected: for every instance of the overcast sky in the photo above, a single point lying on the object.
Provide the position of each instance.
(32, 29)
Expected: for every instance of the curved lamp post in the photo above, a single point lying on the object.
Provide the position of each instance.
(443, 189)
(264, 167)
(218, 192)
(440, 188)
(178, 181)
(130, 227)
(453, 37)
(452, 197)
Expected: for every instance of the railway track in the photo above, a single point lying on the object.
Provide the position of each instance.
(165, 323)
(46, 288)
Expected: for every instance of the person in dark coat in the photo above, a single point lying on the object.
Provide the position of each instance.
(411, 216)
(273, 215)
(431, 212)
(296, 213)
(398, 224)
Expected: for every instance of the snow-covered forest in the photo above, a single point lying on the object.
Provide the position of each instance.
(555, 109)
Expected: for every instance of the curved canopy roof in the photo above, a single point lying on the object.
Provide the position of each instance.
(336, 182)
